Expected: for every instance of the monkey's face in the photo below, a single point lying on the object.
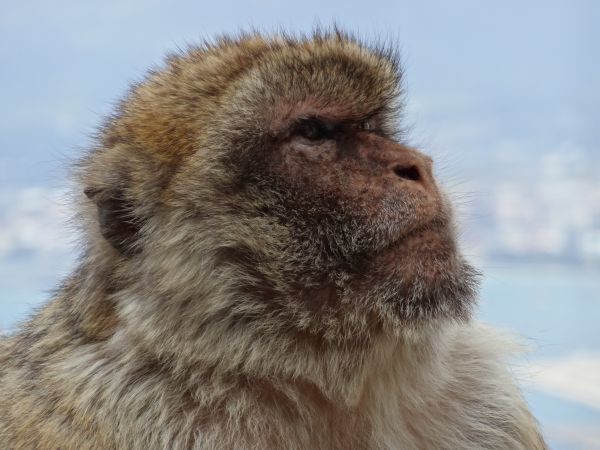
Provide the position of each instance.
(365, 209)
(361, 191)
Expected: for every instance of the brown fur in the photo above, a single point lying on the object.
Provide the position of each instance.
(243, 287)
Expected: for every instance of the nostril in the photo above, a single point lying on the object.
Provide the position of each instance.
(408, 173)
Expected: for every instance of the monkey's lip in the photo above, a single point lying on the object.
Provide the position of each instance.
(426, 213)
(435, 226)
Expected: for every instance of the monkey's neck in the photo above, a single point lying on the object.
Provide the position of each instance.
(342, 372)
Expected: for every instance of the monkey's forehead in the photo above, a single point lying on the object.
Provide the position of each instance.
(336, 76)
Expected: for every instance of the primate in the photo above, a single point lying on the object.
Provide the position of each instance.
(266, 264)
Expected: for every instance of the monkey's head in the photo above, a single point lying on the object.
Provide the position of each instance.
(260, 187)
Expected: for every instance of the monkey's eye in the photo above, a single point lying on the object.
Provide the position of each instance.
(366, 125)
(312, 129)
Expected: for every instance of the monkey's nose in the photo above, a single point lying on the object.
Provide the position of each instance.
(408, 172)
(411, 165)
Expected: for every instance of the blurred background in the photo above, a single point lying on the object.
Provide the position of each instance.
(504, 95)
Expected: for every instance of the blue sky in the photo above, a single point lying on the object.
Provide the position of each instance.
(503, 94)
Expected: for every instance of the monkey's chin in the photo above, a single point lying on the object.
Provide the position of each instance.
(423, 278)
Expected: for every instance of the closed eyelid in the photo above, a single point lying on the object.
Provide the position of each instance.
(305, 126)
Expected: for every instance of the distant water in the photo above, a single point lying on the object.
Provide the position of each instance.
(555, 309)
(558, 308)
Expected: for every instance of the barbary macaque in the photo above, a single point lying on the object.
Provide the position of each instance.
(266, 264)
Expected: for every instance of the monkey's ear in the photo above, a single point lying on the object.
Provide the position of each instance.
(117, 223)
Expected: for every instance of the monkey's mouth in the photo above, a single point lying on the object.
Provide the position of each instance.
(422, 249)
(402, 214)
(411, 234)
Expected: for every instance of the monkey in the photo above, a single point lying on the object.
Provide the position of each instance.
(266, 263)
